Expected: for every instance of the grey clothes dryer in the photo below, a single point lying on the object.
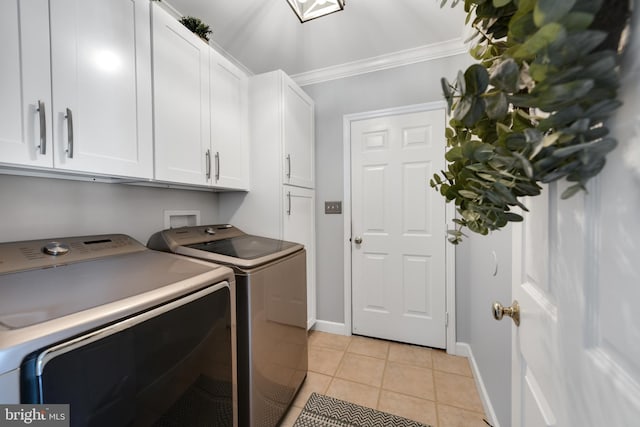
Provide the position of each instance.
(271, 312)
(125, 335)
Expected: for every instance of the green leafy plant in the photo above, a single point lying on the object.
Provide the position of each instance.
(196, 26)
(532, 109)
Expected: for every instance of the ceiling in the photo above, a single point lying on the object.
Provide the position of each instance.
(265, 35)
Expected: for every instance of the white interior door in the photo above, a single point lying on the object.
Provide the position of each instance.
(535, 351)
(576, 354)
(398, 243)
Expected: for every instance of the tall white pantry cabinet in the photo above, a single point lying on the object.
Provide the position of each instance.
(281, 201)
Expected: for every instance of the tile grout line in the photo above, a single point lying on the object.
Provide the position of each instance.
(435, 389)
(384, 371)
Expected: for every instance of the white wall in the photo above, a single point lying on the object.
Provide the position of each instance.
(482, 279)
(38, 208)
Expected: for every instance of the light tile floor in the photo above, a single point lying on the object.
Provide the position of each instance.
(418, 383)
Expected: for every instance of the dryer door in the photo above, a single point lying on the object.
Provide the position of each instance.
(159, 367)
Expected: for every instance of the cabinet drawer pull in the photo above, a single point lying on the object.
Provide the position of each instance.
(69, 117)
(288, 202)
(208, 165)
(43, 128)
(217, 166)
(288, 165)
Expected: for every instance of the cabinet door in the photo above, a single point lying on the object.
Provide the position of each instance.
(229, 123)
(299, 227)
(298, 136)
(101, 74)
(181, 102)
(25, 88)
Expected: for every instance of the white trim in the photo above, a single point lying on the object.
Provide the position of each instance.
(331, 327)
(450, 258)
(464, 349)
(214, 45)
(383, 62)
(450, 274)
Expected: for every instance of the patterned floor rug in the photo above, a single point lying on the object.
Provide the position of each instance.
(325, 411)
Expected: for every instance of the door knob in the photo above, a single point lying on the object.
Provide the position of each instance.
(358, 240)
(514, 311)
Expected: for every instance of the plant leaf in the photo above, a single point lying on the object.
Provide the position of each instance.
(551, 10)
(500, 3)
(513, 217)
(575, 21)
(483, 153)
(548, 34)
(476, 79)
(468, 194)
(462, 107)
(526, 165)
(505, 76)
(497, 106)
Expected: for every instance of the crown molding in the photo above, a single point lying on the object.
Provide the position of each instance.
(383, 62)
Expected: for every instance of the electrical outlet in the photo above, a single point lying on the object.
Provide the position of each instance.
(333, 207)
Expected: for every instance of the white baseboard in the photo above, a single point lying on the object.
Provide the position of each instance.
(331, 327)
(464, 349)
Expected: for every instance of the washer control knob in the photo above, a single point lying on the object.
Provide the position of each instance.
(210, 231)
(55, 248)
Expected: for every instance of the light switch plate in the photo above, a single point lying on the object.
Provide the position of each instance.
(333, 207)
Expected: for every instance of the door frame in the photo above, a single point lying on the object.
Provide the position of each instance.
(450, 253)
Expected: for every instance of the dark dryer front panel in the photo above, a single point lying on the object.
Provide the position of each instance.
(170, 366)
(272, 339)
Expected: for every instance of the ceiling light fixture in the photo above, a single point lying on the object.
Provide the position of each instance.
(311, 9)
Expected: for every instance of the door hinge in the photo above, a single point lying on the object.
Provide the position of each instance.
(446, 319)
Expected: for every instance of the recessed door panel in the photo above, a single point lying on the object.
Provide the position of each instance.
(417, 286)
(376, 275)
(416, 199)
(374, 198)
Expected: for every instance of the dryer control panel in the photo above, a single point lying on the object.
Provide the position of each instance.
(34, 254)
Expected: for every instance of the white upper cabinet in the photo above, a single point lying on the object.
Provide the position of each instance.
(200, 110)
(282, 119)
(98, 119)
(298, 137)
(25, 86)
(181, 102)
(101, 73)
(229, 123)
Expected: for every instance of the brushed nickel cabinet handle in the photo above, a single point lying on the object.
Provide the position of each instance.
(43, 127)
(69, 117)
(208, 164)
(288, 165)
(217, 165)
(288, 202)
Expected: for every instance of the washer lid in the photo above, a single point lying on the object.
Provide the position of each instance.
(222, 243)
(246, 247)
(36, 296)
